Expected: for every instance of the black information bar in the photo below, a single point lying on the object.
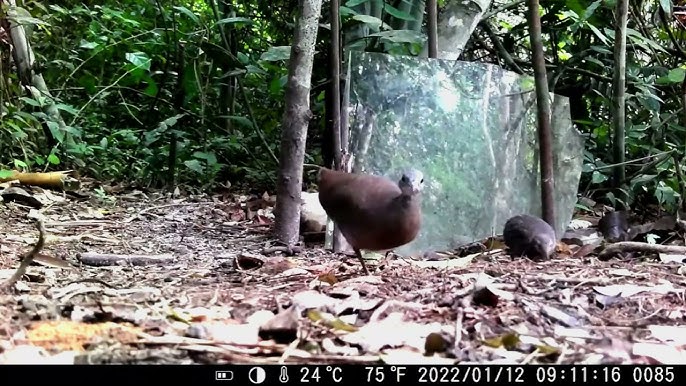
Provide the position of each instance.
(245, 375)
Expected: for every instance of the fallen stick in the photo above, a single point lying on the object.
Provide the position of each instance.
(633, 246)
(28, 258)
(102, 259)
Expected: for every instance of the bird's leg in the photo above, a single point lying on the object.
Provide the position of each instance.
(385, 256)
(359, 256)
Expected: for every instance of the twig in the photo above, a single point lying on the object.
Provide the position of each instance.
(92, 280)
(289, 350)
(102, 259)
(567, 279)
(79, 223)
(633, 246)
(135, 216)
(28, 258)
(256, 126)
(279, 248)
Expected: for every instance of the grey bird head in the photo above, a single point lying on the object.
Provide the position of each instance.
(411, 182)
(544, 245)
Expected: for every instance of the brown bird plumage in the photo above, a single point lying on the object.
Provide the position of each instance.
(529, 236)
(372, 212)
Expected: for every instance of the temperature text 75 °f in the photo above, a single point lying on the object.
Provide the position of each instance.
(378, 373)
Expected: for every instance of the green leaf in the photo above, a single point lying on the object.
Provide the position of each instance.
(242, 121)
(642, 179)
(151, 89)
(30, 101)
(55, 131)
(188, 13)
(26, 20)
(53, 159)
(243, 58)
(70, 109)
(601, 49)
(345, 11)
(194, 165)
(400, 36)
(235, 20)
(276, 53)
(58, 9)
(171, 121)
(371, 21)
(20, 164)
(591, 9)
(139, 59)
(210, 157)
(651, 238)
(675, 75)
(395, 12)
(355, 3)
(277, 84)
(666, 6)
(638, 38)
(232, 73)
(72, 130)
(6, 173)
(594, 60)
(599, 34)
(598, 177)
(88, 45)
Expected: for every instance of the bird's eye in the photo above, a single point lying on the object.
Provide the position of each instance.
(422, 181)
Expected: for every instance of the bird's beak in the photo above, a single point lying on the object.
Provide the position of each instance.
(417, 186)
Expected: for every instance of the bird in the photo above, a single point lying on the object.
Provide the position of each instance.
(529, 236)
(372, 212)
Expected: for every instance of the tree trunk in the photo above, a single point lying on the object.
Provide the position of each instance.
(432, 23)
(34, 82)
(294, 126)
(618, 99)
(543, 107)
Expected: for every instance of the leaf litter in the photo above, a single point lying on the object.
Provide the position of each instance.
(201, 280)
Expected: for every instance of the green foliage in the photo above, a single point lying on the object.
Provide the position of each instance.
(132, 83)
(204, 83)
(579, 39)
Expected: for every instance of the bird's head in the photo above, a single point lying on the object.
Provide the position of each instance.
(412, 182)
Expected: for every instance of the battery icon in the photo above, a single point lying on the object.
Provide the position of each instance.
(223, 375)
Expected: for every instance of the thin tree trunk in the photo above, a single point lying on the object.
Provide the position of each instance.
(336, 83)
(619, 99)
(432, 22)
(34, 82)
(294, 126)
(543, 107)
(339, 242)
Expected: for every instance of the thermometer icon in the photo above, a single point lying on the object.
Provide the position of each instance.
(283, 375)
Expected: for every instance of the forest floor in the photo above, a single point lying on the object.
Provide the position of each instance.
(212, 286)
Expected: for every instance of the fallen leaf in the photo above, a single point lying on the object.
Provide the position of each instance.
(672, 334)
(628, 290)
(330, 321)
(661, 353)
(435, 343)
(668, 258)
(408, 357)
(459, 262)
(508, 341)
